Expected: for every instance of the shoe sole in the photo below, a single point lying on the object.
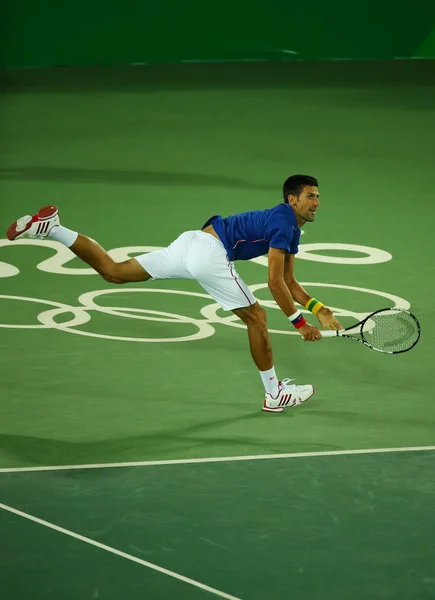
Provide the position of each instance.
(282, 408)
(24, 224)
(277, 409)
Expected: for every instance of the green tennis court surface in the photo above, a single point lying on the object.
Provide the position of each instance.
(98, 374)
(355, 526)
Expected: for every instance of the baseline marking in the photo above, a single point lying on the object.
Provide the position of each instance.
(184, 461)
(144, 563)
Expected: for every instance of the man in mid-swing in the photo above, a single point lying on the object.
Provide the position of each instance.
(208, 256)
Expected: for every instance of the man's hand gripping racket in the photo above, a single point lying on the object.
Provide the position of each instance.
(326, 319)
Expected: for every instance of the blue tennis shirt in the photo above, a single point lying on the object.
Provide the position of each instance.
(251, 234)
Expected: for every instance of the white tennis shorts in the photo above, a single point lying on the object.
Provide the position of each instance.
(201, 256)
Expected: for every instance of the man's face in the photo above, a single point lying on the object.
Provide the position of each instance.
(305, 205)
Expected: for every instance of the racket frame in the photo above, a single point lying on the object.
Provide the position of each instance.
(362, 340)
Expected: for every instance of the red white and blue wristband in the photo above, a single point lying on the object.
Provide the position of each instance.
(297, 319)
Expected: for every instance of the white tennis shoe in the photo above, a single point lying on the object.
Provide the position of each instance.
(288, 396)
(38, 226)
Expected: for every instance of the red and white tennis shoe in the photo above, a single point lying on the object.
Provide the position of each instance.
(288, 396)
(38, 226)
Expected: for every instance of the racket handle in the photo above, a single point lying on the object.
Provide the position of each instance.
(329, 333)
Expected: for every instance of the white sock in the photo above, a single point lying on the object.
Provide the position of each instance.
(270, 382)
(63, 235)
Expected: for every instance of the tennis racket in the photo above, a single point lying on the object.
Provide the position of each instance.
(389, 330)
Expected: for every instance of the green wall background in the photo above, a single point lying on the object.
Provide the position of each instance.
(137, 31)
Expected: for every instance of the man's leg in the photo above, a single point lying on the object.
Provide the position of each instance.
(95, 256)
(279, 395)
(254, 318)
(208, 262)
(45, 223)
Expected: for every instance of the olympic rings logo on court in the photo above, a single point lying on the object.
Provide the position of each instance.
(202, 327)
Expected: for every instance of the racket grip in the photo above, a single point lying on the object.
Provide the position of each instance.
(329, 333)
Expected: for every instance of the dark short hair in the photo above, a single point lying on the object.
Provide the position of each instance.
(295, 184)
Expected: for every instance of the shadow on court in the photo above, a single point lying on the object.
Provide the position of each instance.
(242, 75)
(113, 176)
(45, 451)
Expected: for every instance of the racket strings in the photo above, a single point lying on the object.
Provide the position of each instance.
(391, 331)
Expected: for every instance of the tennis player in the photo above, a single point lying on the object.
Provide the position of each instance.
(208, 256)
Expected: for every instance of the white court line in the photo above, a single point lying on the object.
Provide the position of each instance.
(184, 461)
(145, 563)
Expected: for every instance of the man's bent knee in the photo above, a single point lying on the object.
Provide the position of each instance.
(252, 315)
(124, 272)
(111, 279)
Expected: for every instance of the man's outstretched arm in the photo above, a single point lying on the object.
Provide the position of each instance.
(324, 314)
(281, 292)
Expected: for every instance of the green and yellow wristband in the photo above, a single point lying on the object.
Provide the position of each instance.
(314, 305)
